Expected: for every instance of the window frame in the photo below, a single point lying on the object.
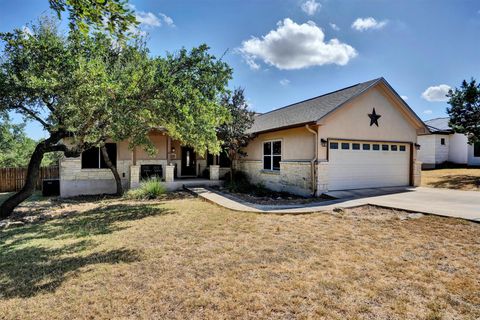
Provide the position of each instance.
(272, 155)
(100, 158)
(442, 141)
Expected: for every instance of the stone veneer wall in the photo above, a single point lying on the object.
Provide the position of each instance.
(293, 177)
(76, 181)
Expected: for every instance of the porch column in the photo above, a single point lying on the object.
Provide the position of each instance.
(169, 149)
(134, 177)
(214, 172)
(169, 173)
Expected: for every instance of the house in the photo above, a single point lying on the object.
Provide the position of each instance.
(443, 145)
(174, 163)
(362, 136)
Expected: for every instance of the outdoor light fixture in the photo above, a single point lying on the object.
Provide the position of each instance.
(173, 150)
(323, 142)
(417, 146)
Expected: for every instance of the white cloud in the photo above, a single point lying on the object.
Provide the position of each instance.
(310, 7)
(167, 20)
(295, 46)
(362, 24)
(436, 93)
(428, 111)
(404, 98)
(148, 19)
(284, 82)
(334, 26)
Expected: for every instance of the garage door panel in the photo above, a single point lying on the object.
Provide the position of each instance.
(351, 169)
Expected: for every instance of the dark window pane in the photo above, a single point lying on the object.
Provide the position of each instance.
(267, 164)
(90, 159)
(402, 148)
(345, 145)
(356, 146)
(333, 145)
(224, 160)
(375, 146)
(385, 147)
(442, 141)
(209, 159)
(476, 149)
(112, 154)
(267, 148)
(276, 162)
(366, 146)
(277, 147)
(394, 147)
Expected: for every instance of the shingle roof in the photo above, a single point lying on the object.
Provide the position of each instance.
(438, 125)
(310, 110)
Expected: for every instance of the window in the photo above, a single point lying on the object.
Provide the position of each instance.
(384, 147)
(366, 146)
(442, 141)
(345, 145)
(476, 149)
(356, 146)
(402, 148)
(93, 159)
(333, 145)
(394, 147)
(375, 146)
(272, 155)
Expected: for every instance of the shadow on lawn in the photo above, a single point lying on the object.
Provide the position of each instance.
(33, 259)
(460, 182)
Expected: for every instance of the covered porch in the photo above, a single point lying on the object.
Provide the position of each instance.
(175, 164)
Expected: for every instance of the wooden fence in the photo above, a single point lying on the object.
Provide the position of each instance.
(13, 179)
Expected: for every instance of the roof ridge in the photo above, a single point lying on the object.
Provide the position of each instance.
(437, 118)
(322, 95)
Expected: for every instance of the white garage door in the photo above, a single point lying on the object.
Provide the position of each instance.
(355, 165)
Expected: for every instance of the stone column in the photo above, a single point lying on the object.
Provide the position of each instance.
(169, 173)
(214, 172)
(322, 177)
(417, 173)
(134, 177)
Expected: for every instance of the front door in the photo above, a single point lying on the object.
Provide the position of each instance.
(188, 162)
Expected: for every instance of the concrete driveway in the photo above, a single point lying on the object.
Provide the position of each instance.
(444, 202)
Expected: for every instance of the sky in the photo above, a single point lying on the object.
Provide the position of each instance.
(286, 51)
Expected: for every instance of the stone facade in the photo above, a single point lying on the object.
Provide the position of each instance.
(77, 181)
(417, 173)
(293, 177)
(322, 177)
(214, 172)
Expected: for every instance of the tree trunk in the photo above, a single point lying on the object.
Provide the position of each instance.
(11, 203)
(110, 165)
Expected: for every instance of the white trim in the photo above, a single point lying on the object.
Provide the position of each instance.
(271, 141)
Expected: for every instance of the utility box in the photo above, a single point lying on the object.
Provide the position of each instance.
(50, 187)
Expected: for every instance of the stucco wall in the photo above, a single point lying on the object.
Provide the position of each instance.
(297, 144)
(426, 154)
(472, 161)
(458, 152)
(352, 122)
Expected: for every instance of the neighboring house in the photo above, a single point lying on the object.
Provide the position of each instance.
(443, 145)
(174, 163)
(363, 136)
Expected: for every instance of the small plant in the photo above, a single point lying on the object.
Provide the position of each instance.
(149, 189)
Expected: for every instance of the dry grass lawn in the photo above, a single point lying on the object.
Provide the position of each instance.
(188, 259)
(460, 179)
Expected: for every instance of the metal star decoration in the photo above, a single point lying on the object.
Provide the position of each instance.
(374, 118)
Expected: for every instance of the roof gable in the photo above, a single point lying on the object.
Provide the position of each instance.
(312, 110)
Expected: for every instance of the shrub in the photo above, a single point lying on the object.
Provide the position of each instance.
(149, 189)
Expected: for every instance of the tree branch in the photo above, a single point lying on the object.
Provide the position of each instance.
(33, 115)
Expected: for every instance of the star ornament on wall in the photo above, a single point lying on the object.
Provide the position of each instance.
(374, 118)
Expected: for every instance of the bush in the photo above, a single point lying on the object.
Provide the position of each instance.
(149, 189)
